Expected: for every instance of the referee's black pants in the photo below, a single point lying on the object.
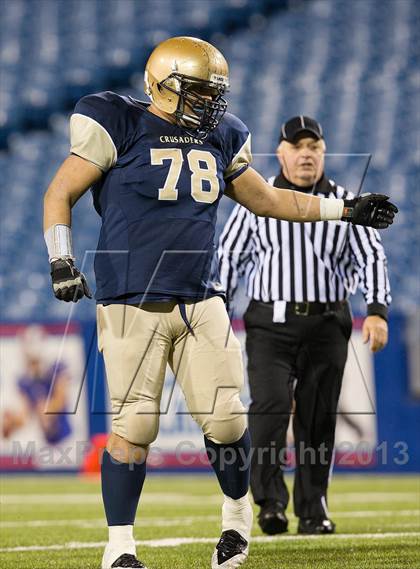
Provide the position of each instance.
(311, 351)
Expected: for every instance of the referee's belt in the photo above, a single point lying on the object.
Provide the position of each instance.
(311, 308)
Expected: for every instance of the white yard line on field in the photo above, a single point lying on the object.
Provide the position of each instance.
(176, 498)
(374, 513)
(177, 541)
(100, 522)
(147, 498)
(372, 497)
(189, 520)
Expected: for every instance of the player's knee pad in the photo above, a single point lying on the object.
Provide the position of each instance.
(138, 422)
(226, 424)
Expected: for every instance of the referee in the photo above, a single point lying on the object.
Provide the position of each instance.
(298, 324)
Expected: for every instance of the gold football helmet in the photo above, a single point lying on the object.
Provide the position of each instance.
(187, 77)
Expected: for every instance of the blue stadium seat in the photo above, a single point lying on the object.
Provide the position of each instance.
(326, 58)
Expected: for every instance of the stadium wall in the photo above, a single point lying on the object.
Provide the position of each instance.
(377, 427)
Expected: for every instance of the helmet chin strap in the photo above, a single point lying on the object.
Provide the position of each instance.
(188, 121)
(192, 128)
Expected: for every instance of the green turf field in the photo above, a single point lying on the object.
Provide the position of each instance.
(58, 522)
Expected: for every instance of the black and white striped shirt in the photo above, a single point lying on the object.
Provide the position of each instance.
(312, 261)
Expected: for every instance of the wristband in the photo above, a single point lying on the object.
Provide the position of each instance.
(331, 209)
(59, 242)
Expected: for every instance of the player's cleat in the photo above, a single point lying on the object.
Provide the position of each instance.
(127, 560)
(272, 519)
(231, 551)
(233, 547)
(116, 560)
(317, 526)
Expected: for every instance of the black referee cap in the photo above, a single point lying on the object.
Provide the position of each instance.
(298, 126)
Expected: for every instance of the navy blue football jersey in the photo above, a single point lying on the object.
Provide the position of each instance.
(158, 197)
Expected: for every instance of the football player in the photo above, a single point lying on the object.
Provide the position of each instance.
(43, 390)
(158, 171)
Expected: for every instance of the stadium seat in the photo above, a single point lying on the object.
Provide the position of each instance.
(325, 58)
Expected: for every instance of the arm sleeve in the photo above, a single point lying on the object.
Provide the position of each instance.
(371, 264)
(98, 129)
(240, 150)
(235, 249)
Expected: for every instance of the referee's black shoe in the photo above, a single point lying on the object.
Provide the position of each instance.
(317, 526)
(272, 519)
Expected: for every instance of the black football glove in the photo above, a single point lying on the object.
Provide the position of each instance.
(68, 283)
(372, 210)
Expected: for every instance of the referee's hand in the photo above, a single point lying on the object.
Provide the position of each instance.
(375, 331)
(68, 283)
(371, 210)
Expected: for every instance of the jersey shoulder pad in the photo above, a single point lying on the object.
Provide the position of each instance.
(237, 146)
(101, 126)
(231, 121)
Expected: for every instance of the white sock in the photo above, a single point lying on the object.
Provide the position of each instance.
(121, 539)
(237, 515)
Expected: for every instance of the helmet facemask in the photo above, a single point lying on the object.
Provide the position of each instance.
(201, 105)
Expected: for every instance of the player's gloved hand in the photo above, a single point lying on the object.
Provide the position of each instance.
(372, 210)
(68, 283)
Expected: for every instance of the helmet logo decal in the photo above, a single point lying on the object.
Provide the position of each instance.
(219, 79)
